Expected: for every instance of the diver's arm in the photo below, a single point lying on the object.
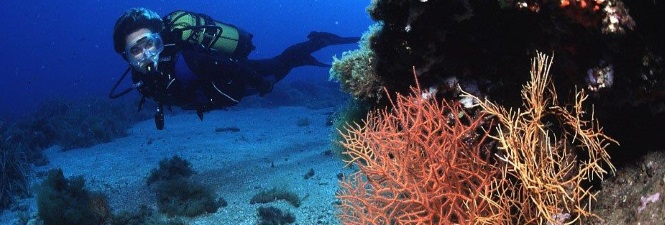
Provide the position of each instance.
(154, 84)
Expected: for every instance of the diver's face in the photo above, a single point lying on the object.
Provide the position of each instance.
(143, 48)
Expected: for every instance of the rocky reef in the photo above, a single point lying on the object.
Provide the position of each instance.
(611, 48)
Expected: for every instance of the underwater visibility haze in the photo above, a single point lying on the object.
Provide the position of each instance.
(431, 112)
(65, 50)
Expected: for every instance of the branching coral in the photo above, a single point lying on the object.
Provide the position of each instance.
(430, 162)
(356, 69)
(549, 151)
(423, 162)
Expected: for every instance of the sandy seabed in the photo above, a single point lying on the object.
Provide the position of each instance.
(273, 148)
(276, 148)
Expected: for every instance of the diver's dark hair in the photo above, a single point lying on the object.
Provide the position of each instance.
(132, 20)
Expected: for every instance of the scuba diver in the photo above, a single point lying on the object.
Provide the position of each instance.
(189, 60)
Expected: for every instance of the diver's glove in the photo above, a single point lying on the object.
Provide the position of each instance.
(160, 85)
(159, 118)
(149, 83)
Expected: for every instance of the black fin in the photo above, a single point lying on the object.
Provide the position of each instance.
(299, 54)
(310, 60)
(331, 39)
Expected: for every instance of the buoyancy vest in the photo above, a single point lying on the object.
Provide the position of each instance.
(202, 31)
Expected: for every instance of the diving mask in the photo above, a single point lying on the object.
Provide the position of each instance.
(144, 49)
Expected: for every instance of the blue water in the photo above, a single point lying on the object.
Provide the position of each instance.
(63, 49)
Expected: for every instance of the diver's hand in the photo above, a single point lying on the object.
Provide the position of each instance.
(159, 118)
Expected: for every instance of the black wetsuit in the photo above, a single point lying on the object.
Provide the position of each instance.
(194, 78)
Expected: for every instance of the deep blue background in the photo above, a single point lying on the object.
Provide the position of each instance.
(64, 49)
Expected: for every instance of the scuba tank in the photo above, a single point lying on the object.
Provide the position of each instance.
(191, 28)
(201, 30)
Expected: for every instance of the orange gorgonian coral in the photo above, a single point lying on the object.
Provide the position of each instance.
(422, 162)
(429, 162)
